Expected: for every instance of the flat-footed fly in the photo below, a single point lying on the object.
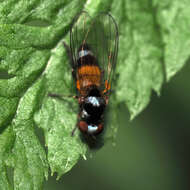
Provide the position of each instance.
(94, 48)
(93, 52)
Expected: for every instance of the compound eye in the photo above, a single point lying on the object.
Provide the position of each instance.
(83, 126)
(100, 128)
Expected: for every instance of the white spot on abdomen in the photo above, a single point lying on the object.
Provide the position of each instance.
(84, 53)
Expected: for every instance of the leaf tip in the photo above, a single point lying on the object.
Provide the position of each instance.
(84, 157)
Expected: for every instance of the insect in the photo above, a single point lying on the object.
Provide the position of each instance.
(94, 49)
(93, 52)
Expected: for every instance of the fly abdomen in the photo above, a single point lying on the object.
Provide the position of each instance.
(88, 71)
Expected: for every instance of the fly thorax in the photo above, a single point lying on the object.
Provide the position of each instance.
(94, 101)
(93, 107)
(84, 114)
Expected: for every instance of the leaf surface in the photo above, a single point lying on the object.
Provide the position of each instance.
(154, 41)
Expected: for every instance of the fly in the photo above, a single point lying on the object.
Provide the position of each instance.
(94, 49)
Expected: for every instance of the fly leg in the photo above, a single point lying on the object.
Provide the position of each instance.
(69, 54)
(107, 87)
(61, 97)
(73, 131)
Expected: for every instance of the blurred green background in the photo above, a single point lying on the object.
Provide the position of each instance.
(151, 152)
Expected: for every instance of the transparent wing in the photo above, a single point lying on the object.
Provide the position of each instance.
(101, 35)
(78, 32)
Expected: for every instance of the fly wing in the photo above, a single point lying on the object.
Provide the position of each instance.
(105, 38)
(101, 35)
(78, 32)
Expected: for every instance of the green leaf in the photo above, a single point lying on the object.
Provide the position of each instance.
(174, 20)
(29, 31)
(30, 161)
(154, 41)
(140, 54)
(6, 143)
(58, 117)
